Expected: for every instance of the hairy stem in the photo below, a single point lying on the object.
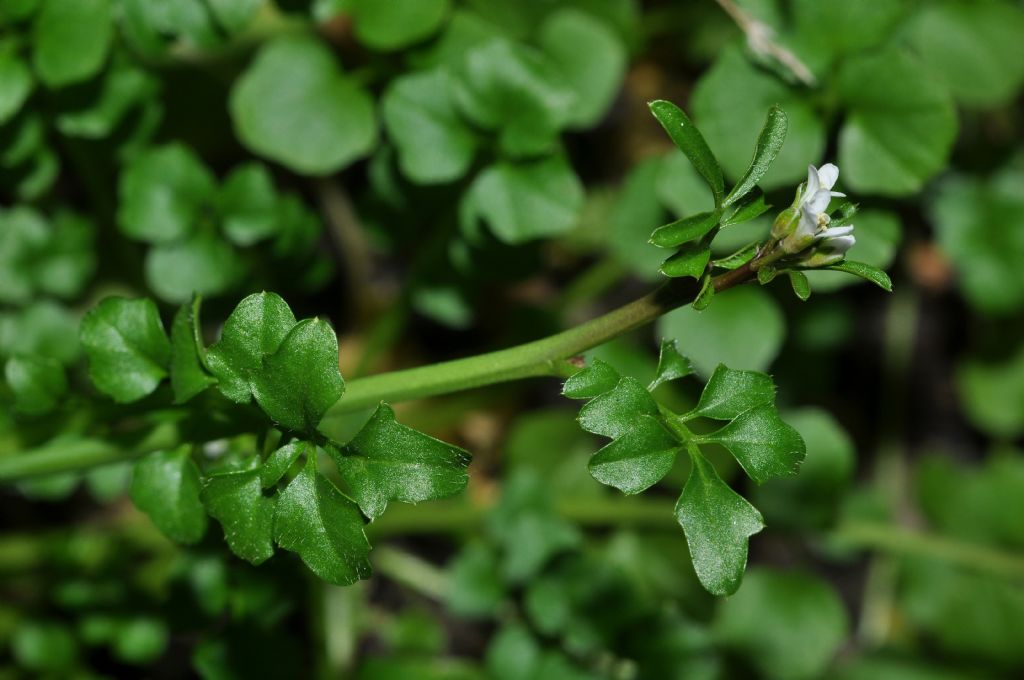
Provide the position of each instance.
(545, 357)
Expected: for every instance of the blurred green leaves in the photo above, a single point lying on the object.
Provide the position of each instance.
(295, 106)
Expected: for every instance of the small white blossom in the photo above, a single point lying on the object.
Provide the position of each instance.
(812, 226)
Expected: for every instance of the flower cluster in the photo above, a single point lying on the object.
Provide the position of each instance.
(804, 228)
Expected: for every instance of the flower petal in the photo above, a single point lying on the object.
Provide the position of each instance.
(812, 186)
(817, 203)
(827, 175)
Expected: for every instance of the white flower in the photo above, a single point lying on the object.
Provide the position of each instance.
(813, 224)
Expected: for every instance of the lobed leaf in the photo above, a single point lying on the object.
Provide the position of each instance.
(762, 443)
(638, 459)
(127, 348)
(597, 378)
(729, 392)
(253, 331)
(718, 523)
(671, 365)
(277, 464)
(301, 380)
(166, 486)
(388, 461)
(323, 526)
(236, 500)
(615, 412)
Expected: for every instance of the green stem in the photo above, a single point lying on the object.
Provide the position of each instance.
(542, 357)
(545, 357)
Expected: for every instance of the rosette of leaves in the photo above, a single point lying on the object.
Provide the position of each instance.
(208, 238)
(646, 439)
(282, 494)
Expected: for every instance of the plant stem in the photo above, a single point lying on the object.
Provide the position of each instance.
(545, 357)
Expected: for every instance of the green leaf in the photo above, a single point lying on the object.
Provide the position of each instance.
(717, 522)
(675, 234)
(638, 459)
(294, 105)
(388, 461)
(745, 209)
(899, 127)
(38, 383)
(301, 380)
(729, 392)
(15, 85)
(166, 486)
(323, 526)
(595, 379)
(615, 412)
(784, 624)
(801, 286)
(992, 394)
(739, 258)
(70, 40)
(69, 260)
(590, 57)
(44, 647)
(475, 588)
(280, 461)
(122, 88)
(980, 228)
(253, 331)
(248, 202)
(515, 90)
(691, 260)
(865, 271)
(236, 500)
(729, 102)
(140, 640)
(188, 376)
(687, 137)
(127, 348)
(163, 194)
(973, 47)
(744, 328)
(388, 26)
(671, 364)
(234, 15)
(434, 144)
(528, 200)
(199, 265)
(762, 443)
(706, 294)
(23, 239)
(769, 143)
(44, 329)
